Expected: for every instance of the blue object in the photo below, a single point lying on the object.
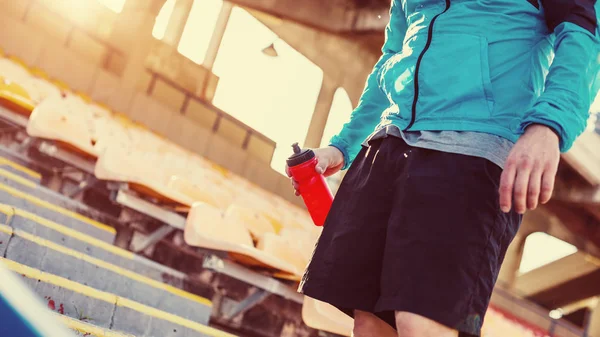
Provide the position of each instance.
(485, 66)
(22, 314)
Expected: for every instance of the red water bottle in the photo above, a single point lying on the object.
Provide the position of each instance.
(312, 186)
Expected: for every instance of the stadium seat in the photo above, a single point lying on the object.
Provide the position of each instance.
(207, 228)
(14, 97)
(322, 316)
(39, 89)
(13, 71)
(257, 224)
(67, 120)
(209, 192)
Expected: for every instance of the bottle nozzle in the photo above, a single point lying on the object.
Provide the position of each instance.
(296, 148)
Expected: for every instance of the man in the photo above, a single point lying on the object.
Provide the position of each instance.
(471, 103)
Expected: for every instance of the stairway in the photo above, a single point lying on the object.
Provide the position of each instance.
(94, 287)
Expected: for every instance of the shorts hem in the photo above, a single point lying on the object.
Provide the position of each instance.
(395, 304)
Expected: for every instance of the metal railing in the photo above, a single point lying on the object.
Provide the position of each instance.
(537, 313)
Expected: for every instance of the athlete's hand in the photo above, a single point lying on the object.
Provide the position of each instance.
(329, 161)
(530, 170)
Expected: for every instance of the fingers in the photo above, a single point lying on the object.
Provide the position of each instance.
(525, 184)
(287, 171)
(507, 181)
(534, 189)
(547, 186)
(322, 165)
(520, 189)
(296, 187)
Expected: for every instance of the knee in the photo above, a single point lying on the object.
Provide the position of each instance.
(411, 325)
(407, 325)
(364, 325)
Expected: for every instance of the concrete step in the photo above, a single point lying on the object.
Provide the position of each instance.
(19, 170)
(84, 329)
(32, 251)
(106, 310)
(25, 195)
(20, 220)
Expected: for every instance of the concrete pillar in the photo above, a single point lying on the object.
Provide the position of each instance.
(208, 84)
(218, 33)
(321, 113)
(512, 262)
(594, 322)
(132, 33)
(177, 22)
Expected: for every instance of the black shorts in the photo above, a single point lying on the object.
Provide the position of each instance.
(413, 230)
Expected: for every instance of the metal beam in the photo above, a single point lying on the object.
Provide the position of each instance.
(572, 291)
(552, 275)
(138, 243)
(269, 284)
(331, 16)
(589, 195)
(248, 303)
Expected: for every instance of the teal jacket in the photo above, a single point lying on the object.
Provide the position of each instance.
(493, 66)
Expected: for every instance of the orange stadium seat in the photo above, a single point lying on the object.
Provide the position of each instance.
(207, 228)
(14, 97)
(67, 120)
(322, 316)
(39, 89)
(12, 70)
(256, 223)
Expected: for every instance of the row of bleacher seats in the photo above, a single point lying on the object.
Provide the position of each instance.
(127, 151)
(226, 212)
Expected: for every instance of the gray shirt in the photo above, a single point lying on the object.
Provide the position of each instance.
(477, 144)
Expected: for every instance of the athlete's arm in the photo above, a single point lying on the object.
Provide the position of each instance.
(570, 85)
(560, 114)
(373, 101)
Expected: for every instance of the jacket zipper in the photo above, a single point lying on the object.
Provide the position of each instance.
(418, 65)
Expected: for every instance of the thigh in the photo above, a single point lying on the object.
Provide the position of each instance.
(409, 324)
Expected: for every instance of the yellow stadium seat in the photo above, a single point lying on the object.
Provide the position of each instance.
(13, 71)
(15, 98)
(37, 72)
(61, 85)
(284, 249)
(18, 61)
(84, 97)
(206, 228)
(255, 222)
(322, 316)
(39, 89)
(65, 120)
(209, 192)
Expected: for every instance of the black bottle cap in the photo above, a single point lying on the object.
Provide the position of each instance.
(300, 156)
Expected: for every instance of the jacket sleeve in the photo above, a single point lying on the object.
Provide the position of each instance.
(570, 86)
(373, 101)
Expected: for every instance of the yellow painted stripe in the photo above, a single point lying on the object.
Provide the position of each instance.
(7, 209)
(5, 229)
(88, 329)
(26, 170)
(47, 205)
(112, 267)
(17, 178)
(110, 298)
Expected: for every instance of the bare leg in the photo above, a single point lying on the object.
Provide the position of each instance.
(368, 325)
(411, 325)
